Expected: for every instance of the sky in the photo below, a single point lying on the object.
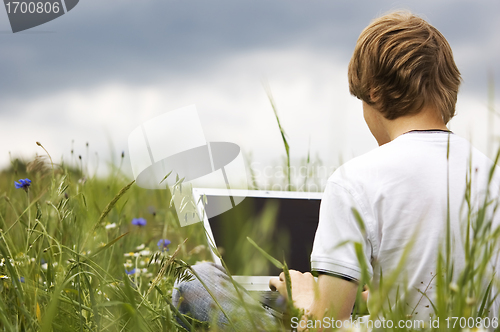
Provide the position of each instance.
(96, 73)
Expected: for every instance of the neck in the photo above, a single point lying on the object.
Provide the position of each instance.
(428, 118)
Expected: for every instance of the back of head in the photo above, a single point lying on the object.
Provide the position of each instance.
(400, 64)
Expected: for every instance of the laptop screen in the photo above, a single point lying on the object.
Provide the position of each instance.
(283, 227)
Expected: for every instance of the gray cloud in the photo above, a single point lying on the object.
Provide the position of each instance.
(213, 51)
(144, 42)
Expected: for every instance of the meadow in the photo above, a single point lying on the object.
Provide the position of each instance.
(88, 253)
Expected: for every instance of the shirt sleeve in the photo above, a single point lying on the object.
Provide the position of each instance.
(333, 250)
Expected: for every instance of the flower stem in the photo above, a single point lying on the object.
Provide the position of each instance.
(29, 221)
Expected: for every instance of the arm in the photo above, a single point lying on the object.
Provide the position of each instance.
(335, 298)
(332, 252)
(328, 297)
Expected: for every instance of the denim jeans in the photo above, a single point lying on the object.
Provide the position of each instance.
(193, 299)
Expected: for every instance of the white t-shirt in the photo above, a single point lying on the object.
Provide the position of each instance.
(400, 191)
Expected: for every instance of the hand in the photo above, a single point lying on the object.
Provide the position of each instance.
(303, 288)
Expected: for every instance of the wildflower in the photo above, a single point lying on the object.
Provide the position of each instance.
(21, 279)
(139, 222)
(163, 244)
(142, 246)
(3, 277)
(130, 272)
(114, 285)
(110, 226)
(470, 300)
(23, 184)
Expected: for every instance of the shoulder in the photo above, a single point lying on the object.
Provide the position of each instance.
(367, 167)
(411, 158)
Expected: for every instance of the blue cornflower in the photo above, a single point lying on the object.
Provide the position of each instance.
(22, 184)
(130, 272)
(163, 244)
(18, 279)
(139, 222)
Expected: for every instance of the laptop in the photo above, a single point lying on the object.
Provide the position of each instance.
(282, 223)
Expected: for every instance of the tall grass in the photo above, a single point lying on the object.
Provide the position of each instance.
(71, 260)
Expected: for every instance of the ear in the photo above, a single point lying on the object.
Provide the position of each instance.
(373, 96)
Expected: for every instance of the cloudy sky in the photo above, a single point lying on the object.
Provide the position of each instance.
(99, 71)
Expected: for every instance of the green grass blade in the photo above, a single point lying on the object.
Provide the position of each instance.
(273, 260)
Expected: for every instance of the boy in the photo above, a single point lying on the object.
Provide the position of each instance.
(403, 71)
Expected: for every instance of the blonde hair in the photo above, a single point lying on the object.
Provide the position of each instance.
(400, 64)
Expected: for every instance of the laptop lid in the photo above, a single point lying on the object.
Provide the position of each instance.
(282, 223)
